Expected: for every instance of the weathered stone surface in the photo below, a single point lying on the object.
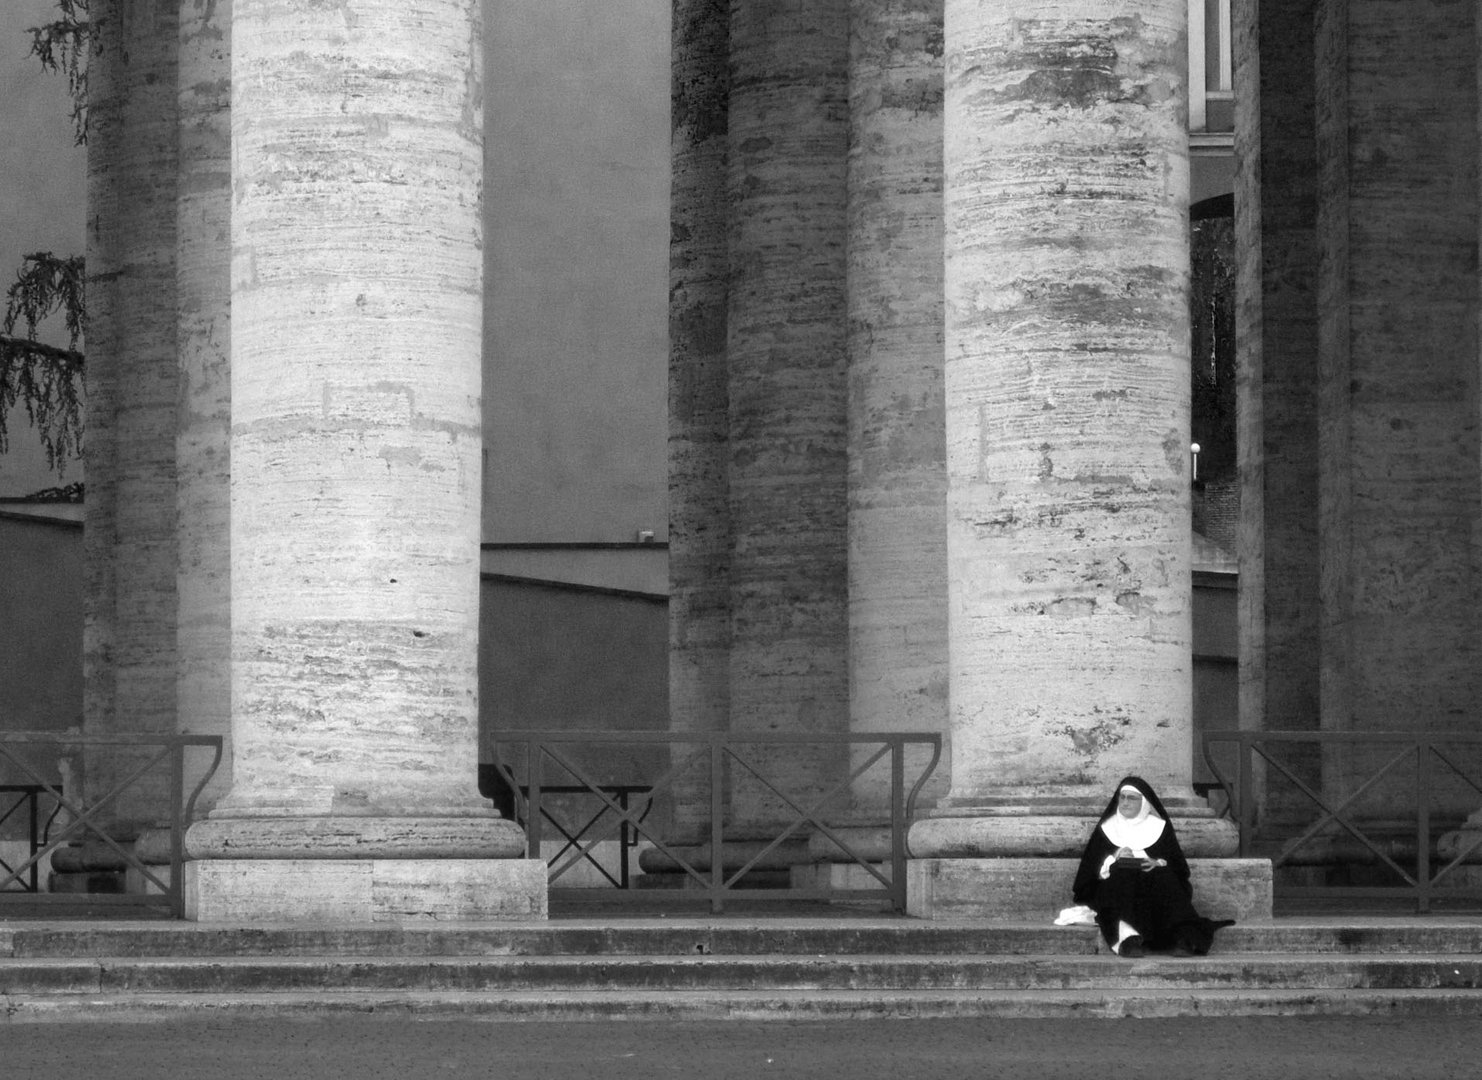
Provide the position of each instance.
(1067, 340)
(1399, 490)
(897, 450)
(356, 428)
(976, 831)
(364, 890)
(355, 838)
(1013, 890)
(203, 419)
(129, 640)
(1276, 339)
(699, 421)
(786, 329)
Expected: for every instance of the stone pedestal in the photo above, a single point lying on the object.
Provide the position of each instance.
(1019, 890)
(364, 890)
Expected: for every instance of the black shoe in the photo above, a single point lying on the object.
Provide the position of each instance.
(1131, 947)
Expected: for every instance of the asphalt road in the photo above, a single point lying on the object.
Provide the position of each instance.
(396, 1049)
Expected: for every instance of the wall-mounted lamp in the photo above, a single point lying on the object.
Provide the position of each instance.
(1194, 450)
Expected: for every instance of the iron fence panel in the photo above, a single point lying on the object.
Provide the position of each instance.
(84, 818)
(1337, 811)
(624, 808)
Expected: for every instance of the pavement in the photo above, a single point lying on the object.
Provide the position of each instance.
(400, 1049)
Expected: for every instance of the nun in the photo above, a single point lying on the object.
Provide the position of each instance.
(1133, 874)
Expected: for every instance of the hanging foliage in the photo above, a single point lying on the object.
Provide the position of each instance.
(46, 378)
(61, 45)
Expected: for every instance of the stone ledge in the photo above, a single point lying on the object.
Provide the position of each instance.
(1019, 890)
(347, 891)
(977, 835)
(355, 838)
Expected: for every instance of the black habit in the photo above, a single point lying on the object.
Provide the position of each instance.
(1158, 903)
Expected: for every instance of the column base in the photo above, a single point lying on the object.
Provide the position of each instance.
(364, 890)
(1034, 890)
(969, 834)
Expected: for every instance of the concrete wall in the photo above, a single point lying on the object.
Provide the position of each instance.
(40, 626)
(576, 195)
(560, 657)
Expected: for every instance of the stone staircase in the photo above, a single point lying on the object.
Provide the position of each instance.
(758, 968)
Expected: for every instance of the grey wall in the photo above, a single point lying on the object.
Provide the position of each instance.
(576, 194)
(40, 627)
(562, 658)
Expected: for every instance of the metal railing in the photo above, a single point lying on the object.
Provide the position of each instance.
(80, 819)
(719, 753)
(27, 796)
(1334, 811)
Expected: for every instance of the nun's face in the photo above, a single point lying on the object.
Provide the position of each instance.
(1129, 804)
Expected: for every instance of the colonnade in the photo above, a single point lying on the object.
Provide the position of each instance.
(1010, 550)
(928, 410)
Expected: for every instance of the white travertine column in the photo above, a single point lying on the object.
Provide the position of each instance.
(1067, 388)
(699, 490)
(357, 294)
(897, 451)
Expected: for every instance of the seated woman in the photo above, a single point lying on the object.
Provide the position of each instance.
(1135, 877)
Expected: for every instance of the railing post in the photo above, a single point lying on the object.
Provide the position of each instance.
(35, 800)
(1247, 793)
(717, 830)
(1423, 824)
(535, 755)
(177, 829)
(897, 824)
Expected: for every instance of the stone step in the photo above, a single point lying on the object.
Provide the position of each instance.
(699, 968)
(625, 974)
(706, 937)
(744, 1004)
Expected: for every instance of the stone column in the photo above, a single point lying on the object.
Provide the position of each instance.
(1276, 335)
(129, 648)
(1067, 389)
(202, 438)
(788, 149)
(355, 385)
(1399, 491)
(699, 491)
(897, 450)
